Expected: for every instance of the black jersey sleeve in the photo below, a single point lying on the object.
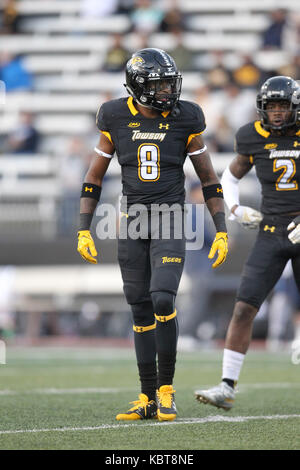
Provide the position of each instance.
(102, 119)
(242, 141)
(198, 124)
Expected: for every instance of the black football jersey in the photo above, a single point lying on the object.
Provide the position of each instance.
(151, 152)
(277, 165)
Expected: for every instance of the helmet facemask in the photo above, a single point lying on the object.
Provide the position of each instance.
(263, 111)
(270, 94)
(162, 93)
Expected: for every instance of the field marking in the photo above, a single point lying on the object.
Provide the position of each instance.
(64, 391)
(81, 390)
(208, 419)
(257, 386)
(267, 385)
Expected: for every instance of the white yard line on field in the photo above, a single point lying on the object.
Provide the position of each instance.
(208, 419)
(81, 390)
(261, 386)
(64, 391)
(258, 386)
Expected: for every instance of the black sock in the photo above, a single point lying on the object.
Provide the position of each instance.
(166, 368)
(229, 382)
(166, 340)
(148, 378)
(145, 349)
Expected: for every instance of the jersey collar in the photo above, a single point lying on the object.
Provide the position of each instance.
(134, 111)
(259, 129)
(263, 132)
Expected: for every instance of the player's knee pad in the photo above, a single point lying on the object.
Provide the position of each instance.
(135, 293)
(143, 314)
(163, 302)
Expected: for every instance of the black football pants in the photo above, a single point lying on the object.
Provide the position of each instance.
(151, 270)
(267, 260)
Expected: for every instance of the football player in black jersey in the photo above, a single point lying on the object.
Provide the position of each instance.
(272, 145)
(152, 132)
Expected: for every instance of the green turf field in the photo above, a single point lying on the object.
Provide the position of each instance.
(68, 398)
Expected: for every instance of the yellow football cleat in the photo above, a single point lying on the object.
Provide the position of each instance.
(142, 409)
(166, 408)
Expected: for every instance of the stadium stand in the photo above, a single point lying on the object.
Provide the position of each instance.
(64, 51)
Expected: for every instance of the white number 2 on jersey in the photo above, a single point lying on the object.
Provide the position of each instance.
(284, 182)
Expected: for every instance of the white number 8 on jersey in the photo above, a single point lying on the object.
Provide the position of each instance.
(149, 162)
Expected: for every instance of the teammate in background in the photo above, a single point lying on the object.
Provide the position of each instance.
(152, 132)
(272, 145)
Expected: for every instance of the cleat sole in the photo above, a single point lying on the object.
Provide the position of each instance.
(124, 417)
(207, 401)
(166, 418)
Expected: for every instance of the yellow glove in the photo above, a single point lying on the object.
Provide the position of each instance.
(219, 245)
(85, 243)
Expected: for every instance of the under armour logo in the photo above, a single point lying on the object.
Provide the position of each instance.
(139, 329)
(296, 144)
(219, 190)
(88, 189)
(272, 229)
(166, 126)
(161, 319)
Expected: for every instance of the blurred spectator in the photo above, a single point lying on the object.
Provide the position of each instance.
(183, 56)
(10, 18)
(272, 36)
(225, 111)
(292, 69)
(211, 103)
(117, 55)
(218, 76)
(125, 6)
(172, 21)
(146, 17)
(223, 138)
(238, 106)
(291, 34)
(25, 138)
(73, 166)
(98, 8)
(141, 40)
(248, 74)
(14, 73)
(206, 61)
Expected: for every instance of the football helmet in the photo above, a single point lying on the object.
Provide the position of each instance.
(279, 88)
(153, 80)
